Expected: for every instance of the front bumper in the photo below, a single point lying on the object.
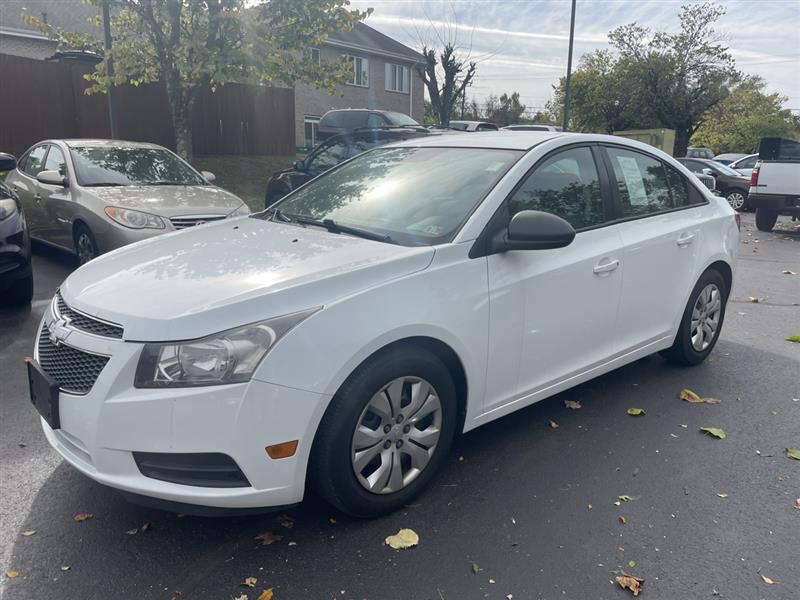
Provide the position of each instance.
(785, 205)
(102, 429)
(15, 251)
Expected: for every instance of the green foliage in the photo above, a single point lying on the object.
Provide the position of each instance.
(738, 123)
(504, 110)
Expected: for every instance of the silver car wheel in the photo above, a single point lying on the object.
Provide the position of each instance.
(736, 200)
(396, 435)
(705, 317)
(84, 247)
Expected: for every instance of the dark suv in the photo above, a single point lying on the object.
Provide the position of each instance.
(729, 183)
(16, 277)
(330, 153)
(349, 120)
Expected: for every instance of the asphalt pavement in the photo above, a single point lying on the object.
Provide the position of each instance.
(520, 510)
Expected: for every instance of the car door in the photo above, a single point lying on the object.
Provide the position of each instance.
(553, 313)
(56, 201)
(661, 231)
(27, 188)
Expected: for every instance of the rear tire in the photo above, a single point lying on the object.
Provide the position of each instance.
(85, 244)
(358, 452)
(766, 219)
(737, 199)
(702, 321)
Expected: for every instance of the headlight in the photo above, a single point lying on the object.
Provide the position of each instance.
(134, 219)
(242, 210)
(228, 357)
(7, 208)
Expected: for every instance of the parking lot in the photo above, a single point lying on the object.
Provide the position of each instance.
(522, 509)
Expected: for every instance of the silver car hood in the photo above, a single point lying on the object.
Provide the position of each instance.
(169, 200)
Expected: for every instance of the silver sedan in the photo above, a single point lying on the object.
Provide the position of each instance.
(92, 196)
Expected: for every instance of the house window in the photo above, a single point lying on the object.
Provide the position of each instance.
(360, 71)
(315, 56)
(311, 126)
(397, 78)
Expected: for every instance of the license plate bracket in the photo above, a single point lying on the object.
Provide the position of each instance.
(44, 393)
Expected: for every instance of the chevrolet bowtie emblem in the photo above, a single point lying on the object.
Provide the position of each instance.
(58, 331)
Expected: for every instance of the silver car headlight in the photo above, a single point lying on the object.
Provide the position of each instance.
(134, 219)
(8, 207)
(228, 357)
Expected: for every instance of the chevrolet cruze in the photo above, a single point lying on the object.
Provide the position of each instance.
(341, 338)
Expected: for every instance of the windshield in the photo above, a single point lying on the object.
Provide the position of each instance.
(104, 165)
(460, 125)
(416, 196)
(399, 119)
(724, 169)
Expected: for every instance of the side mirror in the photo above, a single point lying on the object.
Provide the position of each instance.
(535, 230)
(52, 178)
(300, 165)
(7, 162)
(709, 172)
(208, 176)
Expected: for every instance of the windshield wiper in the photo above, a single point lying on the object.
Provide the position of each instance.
(163, 182)
(335, 227)
(277, 214)
(105, 184)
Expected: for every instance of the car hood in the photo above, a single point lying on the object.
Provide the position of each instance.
(207, 279)
(169, 200)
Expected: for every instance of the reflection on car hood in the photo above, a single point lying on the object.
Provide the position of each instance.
(207, 279)
(169, 200)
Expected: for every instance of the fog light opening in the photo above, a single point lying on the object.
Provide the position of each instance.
(282, 450)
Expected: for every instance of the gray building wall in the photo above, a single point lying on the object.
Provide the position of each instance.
(312, 102)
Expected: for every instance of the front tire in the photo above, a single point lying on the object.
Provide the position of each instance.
(702, 321)
(386, 432)
(766, 219)
(20, 291)
(85, 244)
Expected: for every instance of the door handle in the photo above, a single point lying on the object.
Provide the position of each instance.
(685, 240)
(37, 197)
(605, 267)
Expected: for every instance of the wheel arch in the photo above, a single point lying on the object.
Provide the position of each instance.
(723, 269)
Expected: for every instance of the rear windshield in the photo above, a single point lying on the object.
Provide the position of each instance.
(399, 119)
(344, 119)
(779, 149)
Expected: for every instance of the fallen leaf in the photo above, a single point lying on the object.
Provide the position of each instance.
(793, 453)
(475, 568)
(716, 432)
(722, 495)
(133, 531)
(405, 538)
(767, 580)
(787, 272)
(797, 503)
(250, 582)
(66, 568)
(12, 574)
(631, 563)
(635, 412)
(286, 521)
(268, 538)
(80, 518)
(241, 597)
(622, 520)
(492, 581)
(29, 533)
(793, 338)
(693, 398)
(624, 498)
(589, 506)
(552, 424)
(630, 582)
(146, 527)
(752, 299)
(573, 404)
(332, 520)
(265, 595)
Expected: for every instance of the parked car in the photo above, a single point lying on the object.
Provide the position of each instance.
(729, 183)
(346, 335)
(532, 127)
(775, 182)
(472, 126)
(330, 153)
(348, 120)
(745, 165)
(16, 273)
(92, 196)
(706, 153)
(728, 158)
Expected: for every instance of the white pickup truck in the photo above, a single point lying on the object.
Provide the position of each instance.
(775, 182)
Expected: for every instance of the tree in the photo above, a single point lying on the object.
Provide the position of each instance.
(504, 110)
(680, 75)
(446, 78)
(191, 44)
(738, 123)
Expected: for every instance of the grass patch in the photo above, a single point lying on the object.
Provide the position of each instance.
(245, 176)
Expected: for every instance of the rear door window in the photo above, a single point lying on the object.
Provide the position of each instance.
(641, 183)
(34, 164)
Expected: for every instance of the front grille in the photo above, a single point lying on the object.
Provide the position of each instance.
(74, 370)
(86, 323)
(185, 221)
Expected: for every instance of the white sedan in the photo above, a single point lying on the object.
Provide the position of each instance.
(344, 336)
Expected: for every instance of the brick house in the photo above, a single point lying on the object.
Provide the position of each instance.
(384, 78)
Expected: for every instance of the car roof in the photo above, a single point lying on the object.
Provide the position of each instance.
(507, 140)
(101, 143)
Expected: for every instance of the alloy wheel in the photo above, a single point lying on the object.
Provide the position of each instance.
(705, 317)
(85, 248)
(736, 200)
(396, 435)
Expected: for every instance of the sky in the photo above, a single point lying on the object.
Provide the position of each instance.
(521, 45)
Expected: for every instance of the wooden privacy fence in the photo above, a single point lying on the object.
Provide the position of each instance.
(43, 99)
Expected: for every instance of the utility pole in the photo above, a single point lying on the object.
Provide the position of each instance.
(112, 105)
(569, 67)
